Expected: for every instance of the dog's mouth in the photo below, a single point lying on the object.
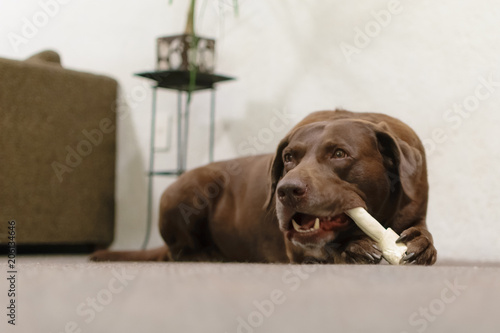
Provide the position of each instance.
(312, 230)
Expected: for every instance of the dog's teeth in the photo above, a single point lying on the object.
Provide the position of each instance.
(297, 227)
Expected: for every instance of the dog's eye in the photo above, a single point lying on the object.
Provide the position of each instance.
(339, 153)
(287, 158)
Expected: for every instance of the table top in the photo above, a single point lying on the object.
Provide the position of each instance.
(179, 80)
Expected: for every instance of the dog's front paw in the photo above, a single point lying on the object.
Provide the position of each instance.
(361, 251)
(101, 255)
(421, 250)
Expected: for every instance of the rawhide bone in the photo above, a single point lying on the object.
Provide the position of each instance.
(385, 238)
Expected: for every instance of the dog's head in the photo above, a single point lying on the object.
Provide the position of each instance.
(325, 166)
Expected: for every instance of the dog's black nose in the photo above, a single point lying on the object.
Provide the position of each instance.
(291, 192)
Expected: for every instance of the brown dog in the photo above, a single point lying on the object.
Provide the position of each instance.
(264, 208)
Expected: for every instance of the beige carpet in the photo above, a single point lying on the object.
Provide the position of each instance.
(68, 294)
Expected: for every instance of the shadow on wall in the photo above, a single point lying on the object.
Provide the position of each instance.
(131, 185)
(260, 130)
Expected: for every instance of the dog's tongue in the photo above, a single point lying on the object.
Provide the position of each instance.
(330, 223)
(305, 221)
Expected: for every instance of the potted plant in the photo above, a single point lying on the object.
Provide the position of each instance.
(187, 51)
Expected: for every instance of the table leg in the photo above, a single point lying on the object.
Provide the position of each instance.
(151, 171)
(179, 132)
(186, 135)
(212, 126)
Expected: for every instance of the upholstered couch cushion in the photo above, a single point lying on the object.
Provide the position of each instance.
(57, 155)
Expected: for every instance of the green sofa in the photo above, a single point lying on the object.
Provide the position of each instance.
(57, 154)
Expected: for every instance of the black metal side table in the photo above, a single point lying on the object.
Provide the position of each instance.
(180, 81)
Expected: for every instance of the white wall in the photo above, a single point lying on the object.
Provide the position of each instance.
(421, 61)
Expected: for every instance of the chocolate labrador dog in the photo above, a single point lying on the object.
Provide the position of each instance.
(290, 206)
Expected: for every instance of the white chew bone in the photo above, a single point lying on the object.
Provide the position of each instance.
(386, 238)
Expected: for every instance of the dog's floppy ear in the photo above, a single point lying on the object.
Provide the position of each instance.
(405, 163)
(275, 171)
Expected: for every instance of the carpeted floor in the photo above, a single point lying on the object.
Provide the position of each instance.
(68, 294)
